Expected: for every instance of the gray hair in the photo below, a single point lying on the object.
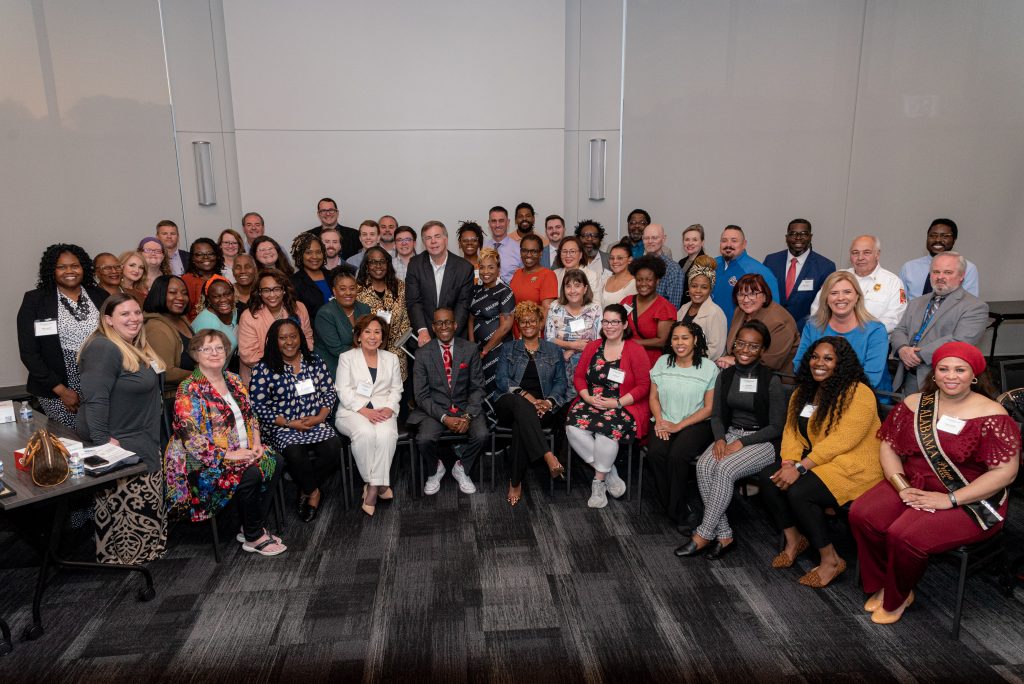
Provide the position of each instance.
(960, 260)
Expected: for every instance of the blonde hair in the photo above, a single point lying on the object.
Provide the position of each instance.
(824, 313)
(488, 253)
(134, 354)
(125, 256)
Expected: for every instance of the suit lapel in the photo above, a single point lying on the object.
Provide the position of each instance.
(446, 279)
(948, 304)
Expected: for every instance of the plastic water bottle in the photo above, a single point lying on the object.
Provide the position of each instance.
(25, 412)
(77, 465)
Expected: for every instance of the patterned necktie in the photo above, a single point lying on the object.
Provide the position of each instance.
(790, 277)
(446, 356)
(933, 306)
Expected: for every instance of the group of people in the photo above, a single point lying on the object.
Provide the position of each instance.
(260, 361)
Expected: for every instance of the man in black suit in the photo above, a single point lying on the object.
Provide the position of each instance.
(437, 279)
(327, 212)
(167, 234)
(448, 382)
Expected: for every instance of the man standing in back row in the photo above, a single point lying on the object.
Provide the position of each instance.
(800, 270)
(942, 234)
(884, 296)
(327, 212)
(733, 264)
(437, 279)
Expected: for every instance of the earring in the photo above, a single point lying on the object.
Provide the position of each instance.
(974, 381)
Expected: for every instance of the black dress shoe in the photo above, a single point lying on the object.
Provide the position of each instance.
(717, 550)
(310, 513)
(303, 508)
(685, 529)
(690, 549)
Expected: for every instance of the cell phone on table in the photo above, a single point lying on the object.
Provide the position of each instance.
(5, 491)
(95, 461)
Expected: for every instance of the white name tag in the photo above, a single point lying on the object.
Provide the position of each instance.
(364, 389)
(951, 424)
(304, 387)
(629, 309)
(385, 316)
(616, 375)
(808, 411)
(46, 327)
(806, 285)
(577, 325)
(156, 367)
(748, 384)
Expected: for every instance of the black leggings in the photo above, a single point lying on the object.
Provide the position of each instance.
(254, 497)
(670, 461)
(528, 441)
(802, 505)
(309, 474)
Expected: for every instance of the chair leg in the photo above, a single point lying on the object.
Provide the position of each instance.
(345, 486)
(640, 484)
(278, 505)
(629, 472)
(216, 539)
(494, 457)
(413, 490)
(568, 468)
(958, 609)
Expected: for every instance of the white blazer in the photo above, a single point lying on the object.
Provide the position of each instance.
(386, 391)
(711, 320)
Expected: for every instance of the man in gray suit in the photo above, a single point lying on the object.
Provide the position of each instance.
(949, 314)
(448, 382)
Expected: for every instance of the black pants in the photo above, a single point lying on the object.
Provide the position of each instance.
(670, 461)
(802, 505)
(528, 441)
(429, 431)
(254, 498)
(310, 474)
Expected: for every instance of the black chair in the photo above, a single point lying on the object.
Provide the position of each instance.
(974, 557)
(348, 469)
(503, 432)
(6, 646)
(1011, 374)
(277, 506)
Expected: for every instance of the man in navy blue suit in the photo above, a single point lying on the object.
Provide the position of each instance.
(799, 270)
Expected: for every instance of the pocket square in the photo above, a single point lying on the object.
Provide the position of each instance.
(463, 366)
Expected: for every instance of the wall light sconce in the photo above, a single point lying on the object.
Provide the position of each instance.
(203, 153)
(598, 149)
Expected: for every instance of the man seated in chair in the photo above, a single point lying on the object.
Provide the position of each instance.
(448, 383)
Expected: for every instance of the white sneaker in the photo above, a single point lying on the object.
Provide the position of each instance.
(616, 485)
(465, 483)
(433, 484)
(598, 497)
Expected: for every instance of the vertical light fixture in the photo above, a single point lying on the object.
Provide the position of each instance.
(203, 153)
(598, 150)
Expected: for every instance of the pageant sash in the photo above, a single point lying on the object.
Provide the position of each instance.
(983, 512)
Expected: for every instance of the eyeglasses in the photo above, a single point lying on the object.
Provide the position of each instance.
(153, 250)
(470, 240)
(799, 234)
(271, 290)
(637, 223)
(749, 295)
(524, 250)
(327, 211)
(605, 321)
(204, 255)
(444, 324)
(405, 240)
(749, 346)
(589, 235)
(211, 350)
(109, 269)
(377, 262)
(570, 252)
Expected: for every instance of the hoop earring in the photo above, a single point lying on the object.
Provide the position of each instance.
(974, 381)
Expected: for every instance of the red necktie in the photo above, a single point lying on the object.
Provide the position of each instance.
(446, 356)
(790, 277)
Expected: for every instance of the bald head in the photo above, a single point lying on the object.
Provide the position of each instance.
(654, 238)
(865, 250)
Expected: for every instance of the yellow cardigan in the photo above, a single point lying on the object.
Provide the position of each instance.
(846, 459)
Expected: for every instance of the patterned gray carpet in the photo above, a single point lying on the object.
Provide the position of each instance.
(464, 589)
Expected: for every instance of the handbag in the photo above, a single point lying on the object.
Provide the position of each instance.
(47, 459)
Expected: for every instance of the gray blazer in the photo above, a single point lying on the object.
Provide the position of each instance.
(961, 317)
(421, 293)
(434, 397)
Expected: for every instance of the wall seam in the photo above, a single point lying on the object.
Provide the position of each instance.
(174, 126)
(853, 127)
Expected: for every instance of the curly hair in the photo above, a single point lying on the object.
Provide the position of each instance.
(833, 394)
(590, 222)
(390, 277)
(470, 227)
(301, 244)
(217, 253)
(282, 264)
(652, 263)
(527, 308)
(700, 343)
(48, 265)
(272, 350)
(288, 300)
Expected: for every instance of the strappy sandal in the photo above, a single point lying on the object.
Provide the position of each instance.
(268, 547)
(784, 561)
(556, 471)
(514, 499)
(814, 581)
(240, 537)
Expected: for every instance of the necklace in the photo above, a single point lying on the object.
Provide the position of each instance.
(79, 310)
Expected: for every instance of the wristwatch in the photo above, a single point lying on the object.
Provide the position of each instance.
(800, 468)
(952, 499)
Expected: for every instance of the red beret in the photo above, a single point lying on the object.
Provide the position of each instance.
(961, 350)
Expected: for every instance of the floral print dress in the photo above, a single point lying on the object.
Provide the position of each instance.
(615, 423)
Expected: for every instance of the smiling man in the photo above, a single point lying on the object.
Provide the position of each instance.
(942, 235)
(949, 314)
(508, 248)
(672, 286)
(884, 296)
(733, 264)
(437, 279)
(167, 234)
(800, 270)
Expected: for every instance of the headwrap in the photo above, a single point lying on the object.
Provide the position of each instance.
(703, 266)
(143, 241)
(214, 278)
(961, 350)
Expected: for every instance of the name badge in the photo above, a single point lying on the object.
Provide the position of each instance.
(46, 327)
(951, 424)
(577, 325)
(629, 309)
(364, 389)
(748, 384)
(156, 367)
(808, 411)
(616, 375)
(806, 285)
(304, 387)
(385, 316)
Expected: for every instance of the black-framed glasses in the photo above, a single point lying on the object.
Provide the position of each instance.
(377, 262)
(605, 321)
(446, 323)
(327, 211)
(271, 290)
(749, 346)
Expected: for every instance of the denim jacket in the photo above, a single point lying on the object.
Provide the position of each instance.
(550, 368)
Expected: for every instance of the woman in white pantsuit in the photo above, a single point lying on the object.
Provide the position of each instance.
(369, 384)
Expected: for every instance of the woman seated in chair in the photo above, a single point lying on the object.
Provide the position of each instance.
(753, 300)
(829, 455)
(682, 392)
(369, 386)
(746, 420)
(531, 391)
(613, 379)
(948, 454)
(293, 396)
(216, 454)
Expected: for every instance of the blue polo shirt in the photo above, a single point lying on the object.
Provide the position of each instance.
(726, 276)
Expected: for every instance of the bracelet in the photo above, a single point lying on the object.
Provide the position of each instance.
(952, 499)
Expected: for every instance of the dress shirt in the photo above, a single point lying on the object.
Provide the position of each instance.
(508, 250)
(915, 274)
(174, 260)
(800, 261)
(439, 274)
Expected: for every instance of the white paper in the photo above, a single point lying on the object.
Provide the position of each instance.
(616, 375)
(385, 316)
(46, 327)
(951, 424)
(577, 325)
(748, 384)
(807, 411)
(109, 453)
(806, 285)
(7, 412)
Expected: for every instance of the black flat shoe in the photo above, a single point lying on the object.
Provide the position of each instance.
(685, 529)
(690, 549)
(310, 513)
(717, 550)
(303, 508)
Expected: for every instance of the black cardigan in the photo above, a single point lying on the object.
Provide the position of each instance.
(769, 404)
(43, 356)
